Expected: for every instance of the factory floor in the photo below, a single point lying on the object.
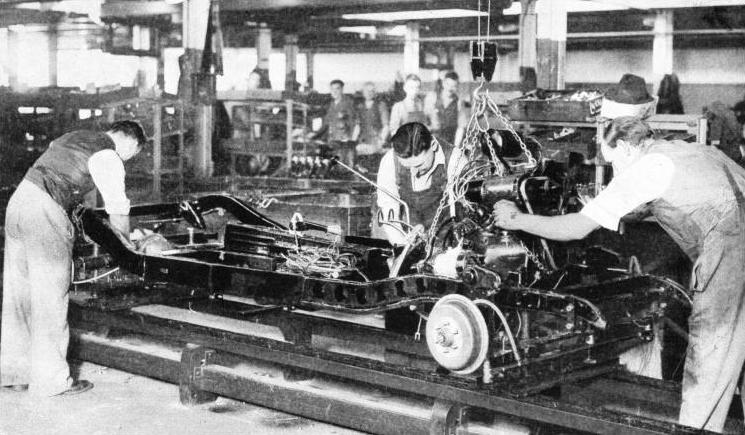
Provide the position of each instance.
(123, 404)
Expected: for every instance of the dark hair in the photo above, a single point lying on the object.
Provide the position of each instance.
(411, 140)
(412, 77)
(264, 82)
(452, 75)
(628, 128)
(336, 82)
(129, 128)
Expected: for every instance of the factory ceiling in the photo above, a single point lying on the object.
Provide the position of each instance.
(319, 23)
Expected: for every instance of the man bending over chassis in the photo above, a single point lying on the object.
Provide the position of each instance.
(696, 194)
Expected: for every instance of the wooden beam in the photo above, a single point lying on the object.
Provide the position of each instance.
(19, 16)
(137, 9)
(258, 5)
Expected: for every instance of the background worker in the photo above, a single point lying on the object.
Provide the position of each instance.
(374, 118)
(411, 108)
(340, 124)
(696, 194)
(450, 110)
(38, 251)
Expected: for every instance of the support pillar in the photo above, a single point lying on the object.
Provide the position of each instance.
(411, 48)
(662, 47)
(4, 62)
(551, 32)
(291, 50)
(52, 55)
(527, 46)
(309, 65)
(13, 43)
(196, 15)
(263, 49)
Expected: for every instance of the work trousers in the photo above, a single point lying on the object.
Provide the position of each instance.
(716, 344)
(36, 279)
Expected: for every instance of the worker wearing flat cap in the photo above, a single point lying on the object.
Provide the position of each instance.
(416, 171)
(696, 194)
(38, 251)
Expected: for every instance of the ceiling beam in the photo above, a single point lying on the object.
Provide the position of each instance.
(19, 16)
(258, 5)
(112, 9)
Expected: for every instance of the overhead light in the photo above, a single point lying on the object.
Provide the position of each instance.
(426, 14)
(373, 30)
(174, 2)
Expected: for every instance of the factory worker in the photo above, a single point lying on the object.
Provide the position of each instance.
(412, 107)
(696, 194)
(38, 251)
(450, 110)
(415, 170)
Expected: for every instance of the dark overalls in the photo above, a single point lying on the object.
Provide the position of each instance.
(423, 204)
(448, 116)
(704, 212)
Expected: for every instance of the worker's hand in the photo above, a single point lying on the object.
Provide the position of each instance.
(506, 215)
(139, 234)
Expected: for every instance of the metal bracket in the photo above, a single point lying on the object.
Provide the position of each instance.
(446, 417)
(199, 370)
(194, 360)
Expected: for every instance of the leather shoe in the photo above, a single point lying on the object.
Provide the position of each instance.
(18, 388)
(77, 387)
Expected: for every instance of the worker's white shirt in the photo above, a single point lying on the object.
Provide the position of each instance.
(107, 171)
(387, 178)
(643, 181)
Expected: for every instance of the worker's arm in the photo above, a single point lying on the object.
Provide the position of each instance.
(387, 205)
(430, 110)
(385, 120)
(463, 118)
(642, 182)
(120, 222)
(397, 114)
(572, 226)
(107, 172)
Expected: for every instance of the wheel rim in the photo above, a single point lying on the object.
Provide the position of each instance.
(457, 334)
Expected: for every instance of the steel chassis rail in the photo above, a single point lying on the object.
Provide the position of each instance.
(204, 369)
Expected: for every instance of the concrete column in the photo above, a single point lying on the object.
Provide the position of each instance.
(309, 62)
(291, 50)
(12, 67)
(53, 36)
(263, 47)
(551, 31)
(411, 48)
(160, 75)
(662, 48)
(196, 14)
(528, 24)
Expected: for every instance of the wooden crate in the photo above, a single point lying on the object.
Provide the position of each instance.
(554, 108)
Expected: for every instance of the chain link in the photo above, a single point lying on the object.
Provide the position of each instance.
(508, 125)
(534, 258)
(472, 142)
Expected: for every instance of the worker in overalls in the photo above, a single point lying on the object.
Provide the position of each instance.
(696, 194)
(411, 108)
(39, 239)
(450, 110)
(415, 170)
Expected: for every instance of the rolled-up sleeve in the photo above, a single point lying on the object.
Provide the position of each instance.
(643, 182)
(107, 171)
(387, 180)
